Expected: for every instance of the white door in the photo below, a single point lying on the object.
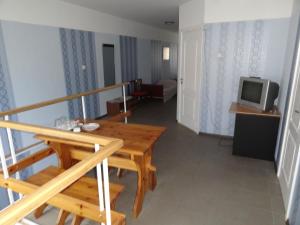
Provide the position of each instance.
(188, 113)
(290, 157)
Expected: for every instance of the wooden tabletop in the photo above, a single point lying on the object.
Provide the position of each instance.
(138, 138)
(248, 110)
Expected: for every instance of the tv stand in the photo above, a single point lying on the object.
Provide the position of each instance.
(255, 132)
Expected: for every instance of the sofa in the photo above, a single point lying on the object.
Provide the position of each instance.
(163, 89)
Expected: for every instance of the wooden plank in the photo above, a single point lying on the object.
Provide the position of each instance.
(58, 100)
(23, 163)
(20, 209)
(113, 161)
(85, 189)
(248, 110)
(68, 135)
(72, 205)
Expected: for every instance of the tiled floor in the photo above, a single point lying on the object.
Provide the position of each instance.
(199, 181)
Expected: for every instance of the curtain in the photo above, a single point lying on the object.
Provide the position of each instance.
(79, 58)
(173, 60)
(129, 68)
(157, 60)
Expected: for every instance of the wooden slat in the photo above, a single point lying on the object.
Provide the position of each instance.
(58, 100)
(20, 209)
(113, 161)
(70, 204)
(78, 137)
(85, 189)
(23, 163)
(248, 110)
(48, 139)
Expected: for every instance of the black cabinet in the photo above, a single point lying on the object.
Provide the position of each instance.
(255, 133)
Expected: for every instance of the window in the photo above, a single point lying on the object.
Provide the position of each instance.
(166, 53)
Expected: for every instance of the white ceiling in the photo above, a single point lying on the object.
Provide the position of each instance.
(151, 12)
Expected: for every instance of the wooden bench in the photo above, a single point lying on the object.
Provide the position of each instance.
(85, 189)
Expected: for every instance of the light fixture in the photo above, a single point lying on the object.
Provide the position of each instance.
(166, 53)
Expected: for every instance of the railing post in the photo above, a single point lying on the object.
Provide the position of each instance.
(125, 104)
(106, 192)
(12, 149)
(5, 171)
(99, 182)
(83, 107)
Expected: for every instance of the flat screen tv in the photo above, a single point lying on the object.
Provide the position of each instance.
(258, 93)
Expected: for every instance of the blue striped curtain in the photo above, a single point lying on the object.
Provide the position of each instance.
(173, 60)
(79, 58)
(157, 58)
(128, 46)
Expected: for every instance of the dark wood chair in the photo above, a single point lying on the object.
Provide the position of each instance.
(135, 89)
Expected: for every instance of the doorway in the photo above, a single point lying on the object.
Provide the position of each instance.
(108, 51)
(189, 78)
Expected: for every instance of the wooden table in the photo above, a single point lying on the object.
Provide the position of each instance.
(138, 146)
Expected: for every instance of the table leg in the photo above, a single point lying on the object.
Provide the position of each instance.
(40, 210)
(141, 185)
(62, 216)
(151, 171)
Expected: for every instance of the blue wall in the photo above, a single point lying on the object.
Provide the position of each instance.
(39, 63)
(235, 49)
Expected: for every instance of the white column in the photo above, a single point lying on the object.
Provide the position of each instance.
(106, 192)
(5, 171)
(83, 107)
(99, 181)
(124, 99)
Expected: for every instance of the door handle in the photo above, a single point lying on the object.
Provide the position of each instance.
(297, 111)
(181, 80)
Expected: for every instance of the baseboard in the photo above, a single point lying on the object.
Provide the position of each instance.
(216, 135)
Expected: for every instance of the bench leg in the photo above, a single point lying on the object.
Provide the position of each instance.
(76, 220)
(40, 210)
(62, 216)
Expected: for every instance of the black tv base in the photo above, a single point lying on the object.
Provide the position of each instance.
(255, 132)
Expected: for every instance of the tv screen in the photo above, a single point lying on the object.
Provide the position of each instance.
(252, 91)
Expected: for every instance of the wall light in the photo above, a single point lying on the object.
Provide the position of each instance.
(166, 53)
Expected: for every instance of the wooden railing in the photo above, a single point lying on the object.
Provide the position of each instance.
(23, 207)
(58, 100)
(18, 210)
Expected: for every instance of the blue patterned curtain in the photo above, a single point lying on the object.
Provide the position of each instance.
(128, 46)
(78, 50)
(157, 59)
(232, 50)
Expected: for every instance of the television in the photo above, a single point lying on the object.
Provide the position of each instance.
(258, 93)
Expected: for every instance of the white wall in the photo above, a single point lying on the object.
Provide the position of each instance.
(62, 14)
(191, 14)
(36, 71)
(144, 60)
(101, 39)
(241, 10)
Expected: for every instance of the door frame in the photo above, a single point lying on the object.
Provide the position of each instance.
(179, 91)
(295, 73)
